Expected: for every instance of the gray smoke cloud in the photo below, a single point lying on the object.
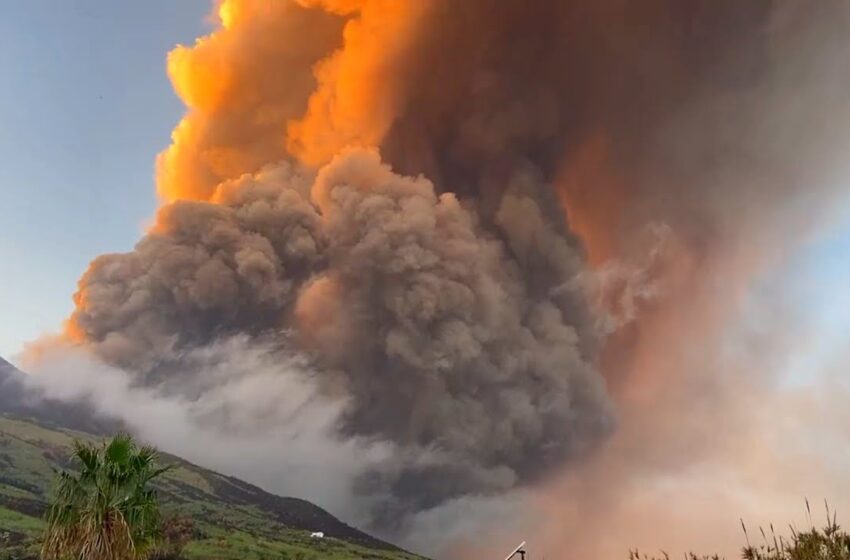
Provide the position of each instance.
(207, 270)
(401, 302)
(440, 290)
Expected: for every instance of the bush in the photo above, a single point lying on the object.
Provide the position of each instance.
(176, 532)
(828, 543)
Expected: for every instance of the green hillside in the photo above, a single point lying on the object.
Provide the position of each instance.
(232, 519)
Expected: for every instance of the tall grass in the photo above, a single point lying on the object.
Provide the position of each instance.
(827, 543)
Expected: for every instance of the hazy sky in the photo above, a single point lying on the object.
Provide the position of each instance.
(85, 105)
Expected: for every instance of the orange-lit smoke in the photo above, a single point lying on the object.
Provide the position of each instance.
(594, 198)
(278, 78)
(358, 94)
(241, 85)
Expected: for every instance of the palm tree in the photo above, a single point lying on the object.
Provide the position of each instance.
(107, 511)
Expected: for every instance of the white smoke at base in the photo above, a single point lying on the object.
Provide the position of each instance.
(250, 413)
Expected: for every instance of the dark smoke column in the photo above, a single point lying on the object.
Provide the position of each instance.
(439, 288)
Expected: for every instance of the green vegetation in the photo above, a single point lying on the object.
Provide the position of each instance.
(828, 543)
(106, 510)
(223, 518)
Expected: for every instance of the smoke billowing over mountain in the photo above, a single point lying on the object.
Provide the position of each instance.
(455, 212)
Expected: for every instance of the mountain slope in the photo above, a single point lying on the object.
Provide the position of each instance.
(18, 400)
(233, 519)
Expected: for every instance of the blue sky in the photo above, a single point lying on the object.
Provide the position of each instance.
(820, 280)
(85, 105)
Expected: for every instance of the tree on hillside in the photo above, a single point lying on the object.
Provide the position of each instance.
(106, 510)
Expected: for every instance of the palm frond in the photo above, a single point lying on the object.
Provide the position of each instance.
(106, 511)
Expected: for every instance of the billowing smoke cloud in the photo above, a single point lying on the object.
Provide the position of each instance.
(468, 218)
(422, 319)
(204, 271)
(241, 85)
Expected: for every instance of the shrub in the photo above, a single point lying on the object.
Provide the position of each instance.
(829, 543)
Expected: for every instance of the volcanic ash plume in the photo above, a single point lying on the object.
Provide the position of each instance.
(417, 315)
(447, 208)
